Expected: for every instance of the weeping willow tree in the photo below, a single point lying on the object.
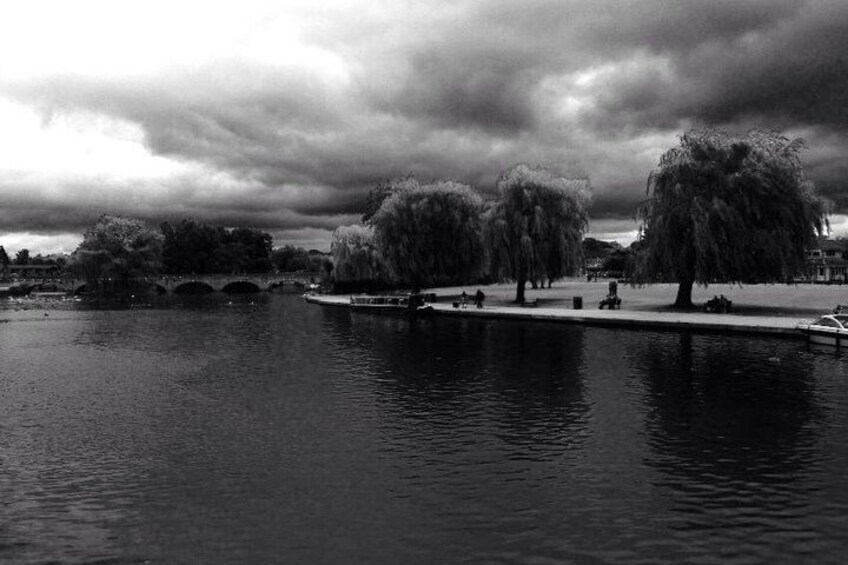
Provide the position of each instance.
(728, 209)
(536, 229)
(431, 235)
(357, 263)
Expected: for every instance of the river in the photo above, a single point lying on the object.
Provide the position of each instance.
(260, 429)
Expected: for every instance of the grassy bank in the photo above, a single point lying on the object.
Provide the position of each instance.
(760, 300)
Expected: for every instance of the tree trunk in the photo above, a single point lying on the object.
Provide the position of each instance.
(534, 285)
(684, 295)
(519, 291)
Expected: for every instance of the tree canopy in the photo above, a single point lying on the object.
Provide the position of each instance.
(244, 250)
(728, 208)
(356, 259)
(120, 249)
(290, 258)
(598, 250)
(22, 257)
(431, 234)
(189, 246)
(194, 247)
(537, 226)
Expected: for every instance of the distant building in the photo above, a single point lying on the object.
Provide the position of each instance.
(828, 262)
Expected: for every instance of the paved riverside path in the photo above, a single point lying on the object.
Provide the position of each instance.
(696, 321)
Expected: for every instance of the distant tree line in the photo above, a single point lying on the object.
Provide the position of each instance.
(117, 252)
(22, 257)
(292, 259)
(609, 259)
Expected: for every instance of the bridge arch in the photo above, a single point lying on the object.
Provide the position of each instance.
(241, 287)
(193, 287)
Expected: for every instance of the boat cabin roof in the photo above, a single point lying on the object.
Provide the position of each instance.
(833, 321)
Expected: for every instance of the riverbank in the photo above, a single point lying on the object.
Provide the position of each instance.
(757, 309)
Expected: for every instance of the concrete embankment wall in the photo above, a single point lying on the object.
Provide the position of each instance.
(689, 321)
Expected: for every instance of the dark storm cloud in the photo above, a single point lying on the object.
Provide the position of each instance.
(45, 218)
(785, 71)
(672, 27)
(30, 209)
(488, 90)
(827, 165)
(483, 70)
(619, 203)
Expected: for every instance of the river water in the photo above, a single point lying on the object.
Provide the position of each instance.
(267, 430)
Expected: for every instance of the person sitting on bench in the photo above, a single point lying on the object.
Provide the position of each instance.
(612, 301)
(718, 304)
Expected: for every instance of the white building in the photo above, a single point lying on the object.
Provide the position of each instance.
(827, 263)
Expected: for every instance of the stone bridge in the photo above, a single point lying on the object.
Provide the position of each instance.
(196, 284)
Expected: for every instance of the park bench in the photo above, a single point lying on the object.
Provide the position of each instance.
(611, 302)
(718, 305)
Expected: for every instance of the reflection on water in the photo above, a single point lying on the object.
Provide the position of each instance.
(735, 424)
(263, 430)
(458, 370)
(726, 408)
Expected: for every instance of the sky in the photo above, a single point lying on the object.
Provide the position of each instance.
(282, 115)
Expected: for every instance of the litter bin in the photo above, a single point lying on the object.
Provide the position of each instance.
(578, 302)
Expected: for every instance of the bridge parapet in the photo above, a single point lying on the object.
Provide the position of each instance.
(218, 282)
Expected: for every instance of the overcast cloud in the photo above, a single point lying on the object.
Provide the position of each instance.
(281, 116)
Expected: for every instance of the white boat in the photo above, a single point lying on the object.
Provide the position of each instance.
(831, 329)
